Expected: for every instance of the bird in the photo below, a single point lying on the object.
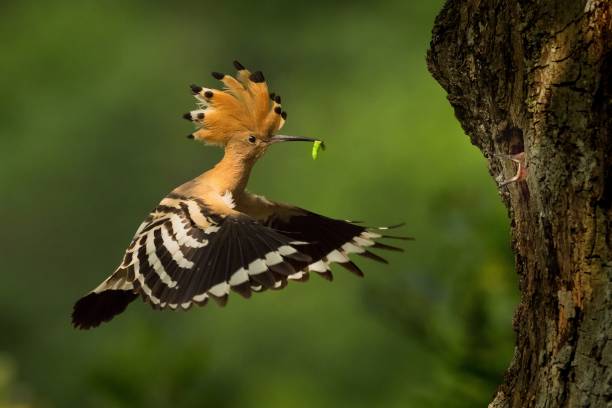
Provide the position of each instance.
(522, 169)
(210, 236)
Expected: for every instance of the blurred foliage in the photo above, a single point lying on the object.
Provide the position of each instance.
(10, 391)
(91, 138)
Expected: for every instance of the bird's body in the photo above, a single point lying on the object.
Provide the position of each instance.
(211, 236)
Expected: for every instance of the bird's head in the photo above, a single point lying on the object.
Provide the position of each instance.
(244, 117)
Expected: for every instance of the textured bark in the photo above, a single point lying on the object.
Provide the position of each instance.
(536, 76)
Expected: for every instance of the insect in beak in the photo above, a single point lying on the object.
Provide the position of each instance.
(315, 146)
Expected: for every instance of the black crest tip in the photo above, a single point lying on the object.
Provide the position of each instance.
(284, 115)
(217, 75)
(195, 89)
(201, 115)
(187, 116)
(277, 110)
(272, 95)
(208, 94)
(238, 65)
(190, 136)
(277, 99)
(257, 77)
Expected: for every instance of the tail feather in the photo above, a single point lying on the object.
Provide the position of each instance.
(96, 308)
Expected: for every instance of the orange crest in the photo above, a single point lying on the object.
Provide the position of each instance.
(244, 106)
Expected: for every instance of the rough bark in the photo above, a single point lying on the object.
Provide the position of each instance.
(536, 76)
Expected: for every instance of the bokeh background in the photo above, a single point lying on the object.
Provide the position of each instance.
(91, 138)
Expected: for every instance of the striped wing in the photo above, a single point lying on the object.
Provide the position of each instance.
(330, 240)
(182, 255)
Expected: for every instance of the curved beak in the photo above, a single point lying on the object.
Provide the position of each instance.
(285, 138)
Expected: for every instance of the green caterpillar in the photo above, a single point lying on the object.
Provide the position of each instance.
(315, 148)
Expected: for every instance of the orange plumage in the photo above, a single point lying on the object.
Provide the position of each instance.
(244, 106)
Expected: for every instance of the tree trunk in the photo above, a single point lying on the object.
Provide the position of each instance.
(536, 76)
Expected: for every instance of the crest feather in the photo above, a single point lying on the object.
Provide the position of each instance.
(244, 105)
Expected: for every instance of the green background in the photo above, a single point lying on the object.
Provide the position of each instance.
(91, 138)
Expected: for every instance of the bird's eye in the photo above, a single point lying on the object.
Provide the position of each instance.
(252, 139)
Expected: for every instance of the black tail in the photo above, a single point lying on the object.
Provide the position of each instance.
(95, 308)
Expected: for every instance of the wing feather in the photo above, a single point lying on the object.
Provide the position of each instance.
(183, 254)
(329, 240)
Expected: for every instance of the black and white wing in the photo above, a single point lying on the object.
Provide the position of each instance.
(183, 254)
(329, 240)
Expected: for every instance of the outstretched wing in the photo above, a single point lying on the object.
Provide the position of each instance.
(183, 254)
(330, 240)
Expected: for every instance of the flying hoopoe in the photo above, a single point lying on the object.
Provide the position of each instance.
(210, 235)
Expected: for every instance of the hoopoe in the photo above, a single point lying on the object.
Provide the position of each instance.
(210, 236)
(521, 168)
